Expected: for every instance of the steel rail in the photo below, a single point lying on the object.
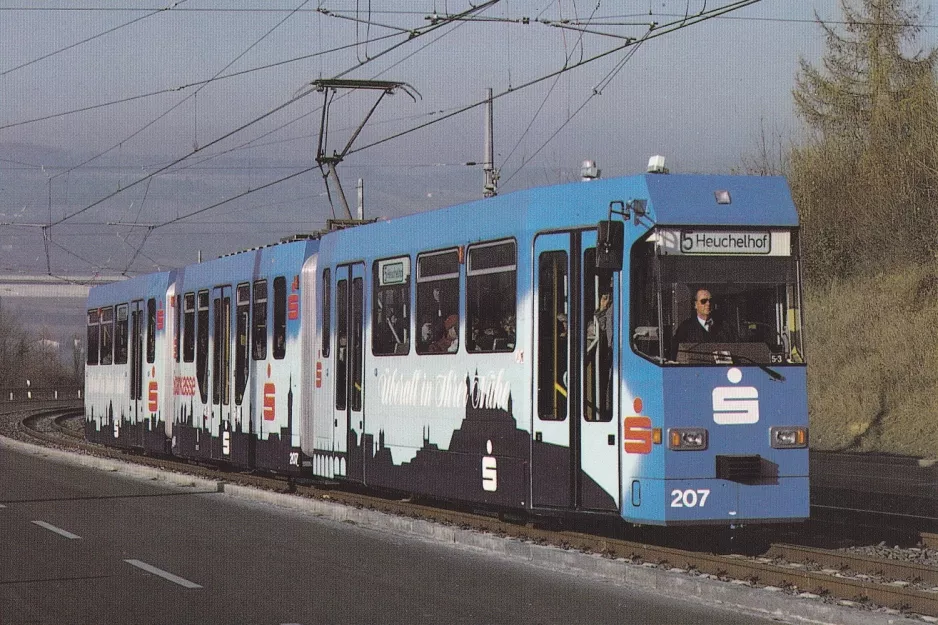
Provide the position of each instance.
(792, 575)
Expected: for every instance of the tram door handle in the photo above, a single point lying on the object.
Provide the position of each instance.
(612, 439)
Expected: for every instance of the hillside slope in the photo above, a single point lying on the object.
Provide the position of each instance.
(873, 363)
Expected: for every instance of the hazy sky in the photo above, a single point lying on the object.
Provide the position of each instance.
(700, 96)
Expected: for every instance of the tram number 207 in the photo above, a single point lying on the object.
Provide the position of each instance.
(689, 498)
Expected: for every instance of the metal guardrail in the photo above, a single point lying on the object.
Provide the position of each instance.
(41, 394)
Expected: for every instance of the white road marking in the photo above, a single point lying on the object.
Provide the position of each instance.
(57, 530)
(161, 573)
(2, 506)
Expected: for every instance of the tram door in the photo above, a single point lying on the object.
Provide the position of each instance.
(575, 456)
(599, 366)
(220, 371)
(137, 405)
(349, 366)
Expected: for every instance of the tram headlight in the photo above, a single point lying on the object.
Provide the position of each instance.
(788, 437)
(687, 439)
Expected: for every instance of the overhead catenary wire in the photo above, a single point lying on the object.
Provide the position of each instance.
(595, 92)
(178, 104)
(652, 33)
(240, 128)
(183, 87)
(92, 38)
(196, 93)
(413, 129)
(544, 101)
(658, 31)
(413, 34)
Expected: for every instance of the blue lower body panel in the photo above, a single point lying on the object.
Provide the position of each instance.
(715, 502)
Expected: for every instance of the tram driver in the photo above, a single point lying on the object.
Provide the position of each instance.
(702, 326)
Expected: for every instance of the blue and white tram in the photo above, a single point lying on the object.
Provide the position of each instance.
(127, 370)
(517, 352)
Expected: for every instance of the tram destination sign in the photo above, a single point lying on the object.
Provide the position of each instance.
(722, 242)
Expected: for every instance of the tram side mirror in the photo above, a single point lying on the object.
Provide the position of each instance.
(609, 245)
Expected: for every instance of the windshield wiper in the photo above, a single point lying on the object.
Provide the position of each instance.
(720, 354)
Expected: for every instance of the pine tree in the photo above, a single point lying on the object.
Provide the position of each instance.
(865, 73)
(867, 179)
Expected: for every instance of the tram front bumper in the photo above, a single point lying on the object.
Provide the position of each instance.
(715, 501)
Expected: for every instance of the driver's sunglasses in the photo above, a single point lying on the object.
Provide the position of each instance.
(705, 300)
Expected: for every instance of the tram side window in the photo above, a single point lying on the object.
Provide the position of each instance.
(221, 342)
(390, 314)
(280, 317)
(355, 345)
(107, 336)
(552, 336)
(326, 311)
(438, 302)
(341, 344)
(259, 331)
(491, 278)
(188, 338)
(599, 338)
(644, 325)
(94, 332)
(201, 353)
(121, 336)
(177, 329)
(151, 330)
(243, 312)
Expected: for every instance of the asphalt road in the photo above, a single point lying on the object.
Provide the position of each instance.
(79, 545)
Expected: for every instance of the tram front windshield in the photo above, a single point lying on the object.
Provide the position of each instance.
(755, 304)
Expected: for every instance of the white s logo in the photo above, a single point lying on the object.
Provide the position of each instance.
(735, 405)
(489, 470)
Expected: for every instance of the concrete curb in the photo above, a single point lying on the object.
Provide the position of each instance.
(765, 602)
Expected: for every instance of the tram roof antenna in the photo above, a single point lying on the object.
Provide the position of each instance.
(328, 87)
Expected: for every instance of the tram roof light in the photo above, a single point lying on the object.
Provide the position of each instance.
(656, 165)
(589, 170)
(722, 196)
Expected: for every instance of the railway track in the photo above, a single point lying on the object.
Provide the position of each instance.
(833, 575)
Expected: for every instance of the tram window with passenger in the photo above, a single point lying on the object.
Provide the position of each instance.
(438, 302)
(755, 295)
(491, 294)
(390, 320)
